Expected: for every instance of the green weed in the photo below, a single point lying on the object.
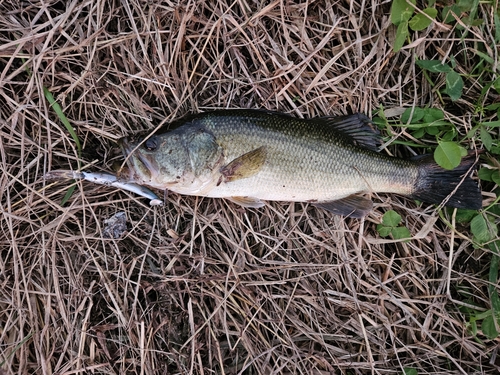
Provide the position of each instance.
(390, 226)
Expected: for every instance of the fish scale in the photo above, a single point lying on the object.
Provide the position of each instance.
(305, 167)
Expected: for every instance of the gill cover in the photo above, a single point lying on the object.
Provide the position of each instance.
(181, 160)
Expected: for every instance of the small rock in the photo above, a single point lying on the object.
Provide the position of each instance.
(115, 226)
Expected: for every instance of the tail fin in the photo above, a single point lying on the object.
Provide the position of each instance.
(455, 187)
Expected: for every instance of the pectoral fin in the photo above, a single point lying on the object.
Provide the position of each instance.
(351, 206)
(244, 166)
(247, 201)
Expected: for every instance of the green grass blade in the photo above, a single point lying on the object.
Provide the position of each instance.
(59, 112)
(16, 348)
(68, 195)
(57, 108)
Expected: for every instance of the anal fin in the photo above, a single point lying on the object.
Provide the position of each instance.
(351, 206)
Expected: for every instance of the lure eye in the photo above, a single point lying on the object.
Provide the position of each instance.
(151, 143)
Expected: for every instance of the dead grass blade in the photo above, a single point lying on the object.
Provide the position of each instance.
(200, 285)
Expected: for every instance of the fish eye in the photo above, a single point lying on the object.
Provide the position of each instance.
(151, 143)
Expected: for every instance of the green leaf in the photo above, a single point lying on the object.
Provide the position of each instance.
(477, 22)
(434, 66)
(453, 62)
(479, 228)
(433, 114)
(496, 18)
(465, 216)
(391, 218)
(473, 328)
(485, 174)
(495, 149)
(486, 138)
(418, 114)
(465, 5)
(432, 130)
(389, 226)
(401, 35)
(495, 177)
(495, 299)
(383, 230)
(491, 123)
(495, 210)
(496, 85)
(447, 155)
(485, 57)
(421, 21)
(454, 85)
(400, 233)
(418, 133)
(494, 106)
(448, 11)
(410, 371)
(488, 327)
(449, 136)
(493, 275)
(401, 11)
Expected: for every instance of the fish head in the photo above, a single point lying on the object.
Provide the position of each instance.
(184, 160)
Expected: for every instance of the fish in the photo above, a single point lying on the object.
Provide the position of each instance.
(108, 179)
(253, 156)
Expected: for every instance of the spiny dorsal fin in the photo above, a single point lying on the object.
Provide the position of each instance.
(245, 165)
(356, 128)
(351, 206)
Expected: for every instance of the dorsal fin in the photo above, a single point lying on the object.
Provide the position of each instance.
(356, 128)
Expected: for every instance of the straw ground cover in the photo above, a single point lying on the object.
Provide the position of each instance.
(201, 285)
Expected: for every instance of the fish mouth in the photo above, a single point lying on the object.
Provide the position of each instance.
(140, 166)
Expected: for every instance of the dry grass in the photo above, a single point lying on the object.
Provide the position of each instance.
(201, 285)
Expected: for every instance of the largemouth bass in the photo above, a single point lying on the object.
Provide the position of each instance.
(251, 156)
